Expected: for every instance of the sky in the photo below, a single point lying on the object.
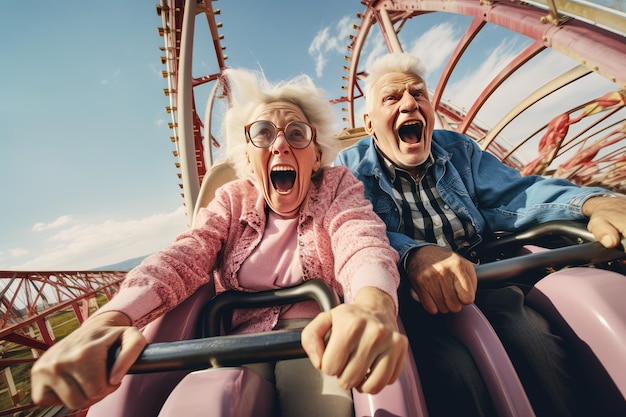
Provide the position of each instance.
(87, 174)
(87, 177)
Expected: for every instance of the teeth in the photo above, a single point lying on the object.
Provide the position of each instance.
(283, 178)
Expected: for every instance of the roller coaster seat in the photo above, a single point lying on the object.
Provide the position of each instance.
(599, 325)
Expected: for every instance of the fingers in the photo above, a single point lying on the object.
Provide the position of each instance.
(446, 291)
(313, 336)
(465, 284)
(443, 280)
(361, 351)
(604, 232)
(607, 219)
(385, 369)
(132, 344)
(74, 371)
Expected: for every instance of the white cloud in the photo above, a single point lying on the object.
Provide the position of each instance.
(61, 221)
(113, 78)
(434, 46)
(91, 245)
(465, 91)
(16, 252)
(329, 40)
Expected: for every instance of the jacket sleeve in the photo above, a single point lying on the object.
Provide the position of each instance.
(509, 201)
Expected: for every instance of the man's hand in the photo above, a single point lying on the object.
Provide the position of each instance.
(607, 219)
(365, 350)
(443, 280)
(74, 371)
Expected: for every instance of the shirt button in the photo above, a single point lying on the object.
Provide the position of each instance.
(447, 207)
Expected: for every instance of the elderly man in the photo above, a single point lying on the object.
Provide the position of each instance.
(440, 196)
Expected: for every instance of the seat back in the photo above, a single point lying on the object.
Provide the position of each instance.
(218, 175)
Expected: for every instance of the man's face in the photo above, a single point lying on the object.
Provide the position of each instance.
(402, 119)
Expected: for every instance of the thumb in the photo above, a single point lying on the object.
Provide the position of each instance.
(131, 345)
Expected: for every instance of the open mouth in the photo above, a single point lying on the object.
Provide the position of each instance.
(283, 179)
(411, 133)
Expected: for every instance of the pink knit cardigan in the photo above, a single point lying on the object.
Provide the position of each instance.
(340, 240)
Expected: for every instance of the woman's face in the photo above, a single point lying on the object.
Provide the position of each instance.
(283, 172)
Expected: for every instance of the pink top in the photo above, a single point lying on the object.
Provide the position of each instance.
(275, 264)
(339, 240)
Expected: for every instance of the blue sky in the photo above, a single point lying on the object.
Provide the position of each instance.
(88, 175)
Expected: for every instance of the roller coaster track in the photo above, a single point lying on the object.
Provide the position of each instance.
(36, 308)
(592, 36)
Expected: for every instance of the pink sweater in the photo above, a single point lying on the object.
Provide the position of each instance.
(340, 240)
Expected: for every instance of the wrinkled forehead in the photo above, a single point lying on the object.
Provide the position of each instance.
(393, 81)
(278, 109)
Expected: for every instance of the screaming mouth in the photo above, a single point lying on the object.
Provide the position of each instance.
(283, 179)
(411, 133)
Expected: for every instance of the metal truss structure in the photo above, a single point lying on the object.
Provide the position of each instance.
(37, 308)
(591, 35)
(585, 143)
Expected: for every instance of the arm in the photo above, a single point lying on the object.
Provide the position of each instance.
(168, 277)
(365, 349)
(361, 251)
(508, 201)
(74, 370)
(364, 332)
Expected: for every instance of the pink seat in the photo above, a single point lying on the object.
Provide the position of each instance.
(471, 327)
(221, 392)
(589, 304)
(142, 395)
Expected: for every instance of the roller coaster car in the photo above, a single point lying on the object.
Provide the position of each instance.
(586, 304)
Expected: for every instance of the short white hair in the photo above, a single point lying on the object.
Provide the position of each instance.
(395, 62)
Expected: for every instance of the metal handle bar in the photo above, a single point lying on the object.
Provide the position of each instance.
(577, 255)
(235, 350)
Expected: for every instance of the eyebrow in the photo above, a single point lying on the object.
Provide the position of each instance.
(394, 88)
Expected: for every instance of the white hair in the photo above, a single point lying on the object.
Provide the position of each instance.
(395, 62)
(250, 89)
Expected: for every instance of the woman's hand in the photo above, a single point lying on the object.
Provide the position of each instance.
(365, 349)
(74, 370)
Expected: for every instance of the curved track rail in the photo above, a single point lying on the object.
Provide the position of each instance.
(591, 152)
(584, 142)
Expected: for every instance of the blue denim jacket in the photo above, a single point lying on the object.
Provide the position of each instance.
(475, 185)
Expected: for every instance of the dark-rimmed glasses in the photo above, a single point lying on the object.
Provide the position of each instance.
(263, 133)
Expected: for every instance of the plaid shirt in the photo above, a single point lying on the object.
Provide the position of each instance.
(425, 216)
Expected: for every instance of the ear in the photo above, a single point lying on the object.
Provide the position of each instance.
(250, 167)
(368, 124)
(318, 160)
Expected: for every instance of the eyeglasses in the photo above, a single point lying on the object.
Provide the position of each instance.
(263, 133)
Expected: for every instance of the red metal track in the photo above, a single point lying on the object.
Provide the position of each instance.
(28, 302)
(29, 299)
(598, 49)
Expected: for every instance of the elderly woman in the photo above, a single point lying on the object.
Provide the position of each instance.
(291, 218)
